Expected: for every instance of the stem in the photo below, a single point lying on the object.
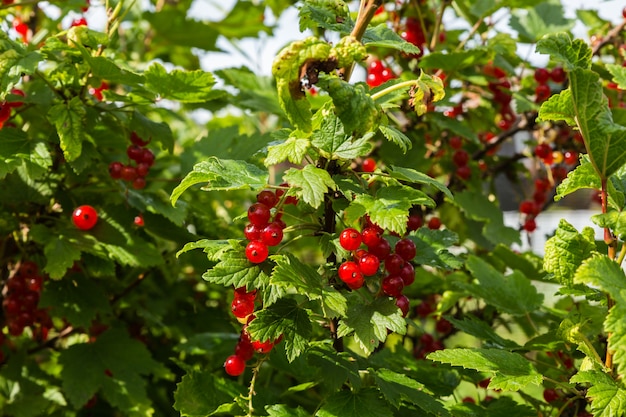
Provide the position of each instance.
(610, 240)
(435, 37)
(367, 10)
(404, 84)
(255, 373)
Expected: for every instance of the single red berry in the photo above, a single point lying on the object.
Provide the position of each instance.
(34, 283)
(375, 67)
(370, 236)
(263, 347)
(257, 251)
(528, 207)
(242, 292)
(407, 273)
(129, 173)
(381, 250)
(259, 214)
(469, 400)
(559, 173)
(443, 326)
(242, 307)
(402, 302)
(252, 232)
(542, 75)
(134, 152)
(369, 165)
(543, 151)
(350, 239)
(143, 169)
(424, 309)
(394, 263)
(484, 383)
(234, 365)
(460, 158)
(350, 273)
(542, 93)
(115, 170)
(427, 339)
(244, 350)
(147, 157)
(135, 139)
(550, 395)
(272, 234)
(414, 222)
(139, 221)
(79, 22)
(406, 249)
(139, 183)
(557, 74)
(434, 223)
(267, 197)
(464, 172)
(374, 80)
(570, 157)
(369, 264)
(456, 142)
(5, 112)
(85, 217)
(392, 285)
(530, 225)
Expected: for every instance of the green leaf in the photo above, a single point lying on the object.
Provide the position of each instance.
(381, 36)
(565, 251)
(16, 147)
(433, 248)
(200, 394)
(511, 371)
(283, 318)
(293, 149)
(333, 143)
(213, 248)
(333, 367)
(570, 53)
(331, 15)
(608, 397)
(390, 207)
(14, 65)
(236, 270)
(311, 183)
(353, 105)
(61, 254)
(87, 366)
(369, 322)
(416, 177)
(107, 69)
(281, 410)
(394, 135)
(222, 175)
(289, 272)
(363, 403)
(184, 86)
(69, 119)
(583, 176)
(545, 18)
(158, 131)
(245, 19)
(619, 75)
(77, 298)
(483, 331)
(286, 69)
(172, 26)
(455, 61)
(558, 107)
(399, 388)
(513, 294)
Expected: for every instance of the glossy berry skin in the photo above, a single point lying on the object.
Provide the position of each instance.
(460, 158)
(382, 249)
(530, 225)
(267, 198)
(85, 217)
(407, 273)
(350, 239)
(257, 252)
(557, 74)
(242, 307)
(135, 152)
(542, 93)
(392, 285)
(550, 395)
(414, 222)
(406, 249)
(129, 173)
(542, 75)
(139, 183)
(369, 165)
(139, 221)
(402, 302)
(259, 214)
(115, 170)
(137, 140)
(252, 232)
(244, 350)
(370, 236)
(394, 263)
(434, 223)
(263, 347)
(528, 207)
(350, 273)
(369, 264)
(570, 157)
(272, 234)
(234, 365)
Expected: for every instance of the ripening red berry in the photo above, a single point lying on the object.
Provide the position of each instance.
(381, 250)
(134, 152)
(369, 264)
(234, 365)
(137, 140)
(350, 239)
(242, 306)
(456, 142)
(570, 157)
(267, 197)
(434, 223)
(542, 75)
(402, 302)
(259, 214)
(256, 251)
(85, 217)
(139, 183)
(115, 170)
(129, 173)
(139, 221)
(557, 74)
(370, 236)
(147, 157)
(460, 158)
(16, 92)
(252, 232)
(464, 172)
(413, 223)
(443, 326)
(392, 285)
(469, 400)
(543, 151)
(272, 234)
(542, 93)
(394, 263)
(350, 273)
(407, 273)
(5, 112)
(406, 249)
(79, 22)
(244, 349)
(424, 309)
(369, 165)
(263, 347)
(528, 207)
(530, 225)
(142, 169)
(550, 395)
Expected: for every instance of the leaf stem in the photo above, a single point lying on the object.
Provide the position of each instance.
(367, 10)
(395, 87)
(611, 242)
(251, 393)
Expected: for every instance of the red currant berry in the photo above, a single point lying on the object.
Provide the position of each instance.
(139, 221)
(115, 170)
(557, 74)
(456, 142)
(139, 183)
(252, 232)
(137, 140)
(272, 234)
(434, 223)
(263, 347)
(542, 75)
(424, 309)
(135, 152)
(267, 197)
(406, 249)
(79, 22)
(464, 172)
(244, 350)
(542, 93)
(374, 80)
(129, 173)
(143, 169)
(242, 307)
(407, 273)
(16, 92)
(394, 263)
(381, 250)
(392, 285)
(443, 326)
(550, 395)
(234, 365)
(469, 400)
(5, 112)
(414, 222)
(257, 252)
(570, 157)
(259, 214)
(369, 264)
(369, 165)
(350, 239)
(484, 383)
(402, 302)
(350, 273)
(147, 157)
(370, 236)
(34, 283)
(460, 158)
(528, 207)
(85, 217)
(530, 225)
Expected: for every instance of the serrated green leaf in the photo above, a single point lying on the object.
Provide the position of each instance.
(511, 371)
(513, 294)
(61, 254)
(571, 53)
(173, 27)
(353, 105)
(213, 248)
(558, 107)
(200, 394)
(457, 60)
(619, 75)
(16, 63)
(565, 251)
(416, 177)
(293, 149)
(394, 135)
(69, 118)
(289, 272)
(331, 15)
(599, 270)
(107, 69)
(77, 298)
(286, 69)
(184, 86)
(381, 36)
(16, 146)
(244, 20)
(283, 318)
(456, 127)
(369, 322)
(545, 18)
(236, 270)
(222, 175)
(483, 331)
(331, 140)
(311, 183)
(281, 410)
(87, 366)
(334, 368)
(583, 176)
(608, 397)
(363, 403)
(150, 130)
(433, 248)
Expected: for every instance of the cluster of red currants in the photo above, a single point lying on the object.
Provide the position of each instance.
(142, 156)
(378, 73)
(501, 89)
(6, 106)
(21, 297)
(542, 76)
(427, 342)
(414, 34)
(399, 272)
(263, 231)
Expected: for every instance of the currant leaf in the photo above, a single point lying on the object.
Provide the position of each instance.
(311, 183)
